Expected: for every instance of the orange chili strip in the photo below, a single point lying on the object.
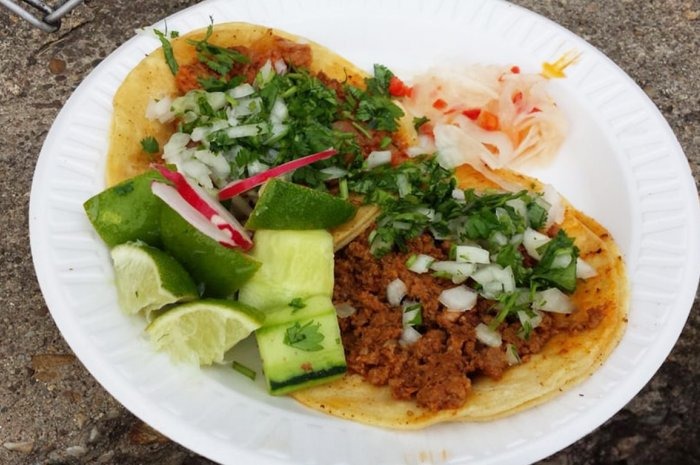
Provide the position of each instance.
(439, 104)
(488, 121)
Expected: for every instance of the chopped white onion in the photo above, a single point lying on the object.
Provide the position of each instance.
(531, 318)
(453, 268)
(396, 291)
(265, 74)
(279, 111)
(246, 130)
(419, 263)
(458, 194)
(512, 356)
(519, 206)
(532, 240)
(494, 280)
(458, 299)
(429, 213)
(219, 166)
(245, 107)
(516, 239)
(415, 151)
(561, 261)
(499, 238)
(344, 310)
(471, 254)
(556, 209)
(411, 310)
(280, 66)
(552, 300)
(256, 167)
(160, 110)
(584, 270)
(409, 336)
(488, 336)
(333, 172)
(216, 100)
(240, 91)
(378, 158)
(403, 185)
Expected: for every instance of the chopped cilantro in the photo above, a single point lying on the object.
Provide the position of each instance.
(244, 370)
(218, 59)
(297, 303)
(305, 337)
(418, 122)
(537, 215)
(563, 278)
(417, 310)
(150, 145)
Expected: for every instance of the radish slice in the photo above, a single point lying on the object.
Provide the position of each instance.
(242, 185)
(208, 207)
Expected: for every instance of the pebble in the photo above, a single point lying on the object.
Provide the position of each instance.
(76, 451)
(22, 446)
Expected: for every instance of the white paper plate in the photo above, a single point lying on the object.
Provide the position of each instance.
(621, 164)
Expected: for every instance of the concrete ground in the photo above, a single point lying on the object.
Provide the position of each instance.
(53, 412)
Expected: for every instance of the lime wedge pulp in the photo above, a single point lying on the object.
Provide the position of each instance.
(202, 331)
(148, 279)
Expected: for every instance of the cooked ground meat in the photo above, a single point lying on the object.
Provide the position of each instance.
(438, 369)
(271, 47)
(295, 55)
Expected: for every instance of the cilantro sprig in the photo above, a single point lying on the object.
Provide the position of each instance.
(306, 337)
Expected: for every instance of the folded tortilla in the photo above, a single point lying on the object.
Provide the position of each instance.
(566, 360)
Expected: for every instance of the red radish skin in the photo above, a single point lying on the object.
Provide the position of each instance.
(209, 208)
(242, 185)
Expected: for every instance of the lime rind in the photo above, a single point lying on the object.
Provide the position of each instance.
(148, 279)
(221, 270)
(127, 211)
(201, 332)
(288, 206)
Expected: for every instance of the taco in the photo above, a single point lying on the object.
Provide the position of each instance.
(575, 347)
(153, 79)
(571, 348)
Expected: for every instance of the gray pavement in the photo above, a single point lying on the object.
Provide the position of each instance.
(53, 412)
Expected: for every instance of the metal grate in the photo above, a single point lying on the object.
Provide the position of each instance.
(40, 14)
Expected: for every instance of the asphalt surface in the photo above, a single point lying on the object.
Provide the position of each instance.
(53, 412)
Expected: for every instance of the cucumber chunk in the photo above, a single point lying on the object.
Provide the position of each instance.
(295, 264)
(301, 352)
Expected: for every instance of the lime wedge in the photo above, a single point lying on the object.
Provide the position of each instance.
(221, 270)
(127, 212)
(285, 205)
(202, 331)
(148, 279)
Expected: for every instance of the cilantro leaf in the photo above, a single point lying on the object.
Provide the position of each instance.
(150, 145)
(244, 370)
(378, 84)
(418, 122)
(537, 215)
(168, 50)
(547, 274)
(297, 303)
(218, 59)
(305, 337)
